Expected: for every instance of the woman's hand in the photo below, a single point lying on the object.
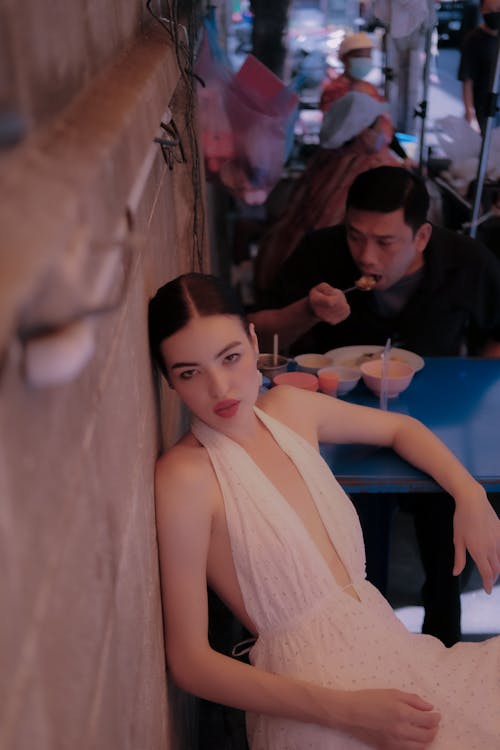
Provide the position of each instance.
(476, 528)
(393, 720)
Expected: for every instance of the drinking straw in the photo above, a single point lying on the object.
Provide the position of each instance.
(385, 363)
(275, 349)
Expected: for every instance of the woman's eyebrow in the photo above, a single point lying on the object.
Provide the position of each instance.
(227, 348)
(183, 364)
(194, 364)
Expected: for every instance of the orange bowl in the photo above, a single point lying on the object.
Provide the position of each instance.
(399, 376)
(298, 379)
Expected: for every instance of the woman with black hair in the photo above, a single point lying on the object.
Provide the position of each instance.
(245, 502)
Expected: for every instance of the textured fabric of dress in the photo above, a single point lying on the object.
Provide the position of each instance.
(310, 628)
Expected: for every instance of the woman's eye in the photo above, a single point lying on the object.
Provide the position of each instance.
(187, 374)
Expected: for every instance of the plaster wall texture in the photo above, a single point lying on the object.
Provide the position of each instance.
(81, 641)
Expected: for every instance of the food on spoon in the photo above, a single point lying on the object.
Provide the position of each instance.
(367, 282)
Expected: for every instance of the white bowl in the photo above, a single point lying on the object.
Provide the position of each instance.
(398, 376)
(312, 362)
(348, 377)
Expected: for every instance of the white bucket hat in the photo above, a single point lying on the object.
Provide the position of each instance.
(360, 40)
(349, 116)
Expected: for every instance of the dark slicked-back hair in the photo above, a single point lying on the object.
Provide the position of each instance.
(387, 189)
(188, 296)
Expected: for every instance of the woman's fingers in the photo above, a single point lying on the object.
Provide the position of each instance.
(460, 555)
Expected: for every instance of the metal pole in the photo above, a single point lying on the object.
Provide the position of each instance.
(386, 67)
(422, 111)
(485, 146)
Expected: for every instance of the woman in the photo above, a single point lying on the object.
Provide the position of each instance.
(245, 501)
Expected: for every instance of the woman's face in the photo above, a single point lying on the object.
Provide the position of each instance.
(211, 364)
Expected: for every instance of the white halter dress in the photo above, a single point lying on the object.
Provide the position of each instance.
(310, 628)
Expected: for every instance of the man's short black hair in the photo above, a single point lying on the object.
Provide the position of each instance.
(387, 189)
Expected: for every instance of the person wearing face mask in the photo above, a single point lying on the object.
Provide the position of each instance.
(355, 136)
(355, 53)
(477, 66)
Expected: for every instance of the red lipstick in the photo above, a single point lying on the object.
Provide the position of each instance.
(226, 409)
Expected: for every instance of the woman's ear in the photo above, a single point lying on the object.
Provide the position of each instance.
(253, 338)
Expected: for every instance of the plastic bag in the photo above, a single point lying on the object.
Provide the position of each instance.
(457, 139)
(246, 122)
(462, 144)
(216, 132)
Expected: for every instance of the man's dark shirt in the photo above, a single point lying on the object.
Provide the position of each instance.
(457, 299)
(477, 63)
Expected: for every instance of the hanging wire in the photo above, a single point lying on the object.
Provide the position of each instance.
(184, 45)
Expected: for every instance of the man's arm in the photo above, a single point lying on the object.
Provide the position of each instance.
(323, 303)
(290, 323)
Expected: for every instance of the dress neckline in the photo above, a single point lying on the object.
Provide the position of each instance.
(274, 426)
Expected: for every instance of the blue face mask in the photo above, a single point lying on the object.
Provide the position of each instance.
(359, 67)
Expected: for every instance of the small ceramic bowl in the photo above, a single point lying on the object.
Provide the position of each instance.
(347, 378)
(312, 362)
(269, 367)
(399, 376)
(299, 379)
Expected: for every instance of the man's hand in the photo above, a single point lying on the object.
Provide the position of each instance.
(394, 720)
(476, 527)
(328, 304)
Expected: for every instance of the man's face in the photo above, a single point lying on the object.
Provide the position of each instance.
(384, 246)
(490, 6)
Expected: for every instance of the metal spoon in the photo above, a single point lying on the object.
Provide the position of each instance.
(361, 288)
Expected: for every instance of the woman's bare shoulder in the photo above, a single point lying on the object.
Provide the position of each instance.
(184, 471)
(292, 406)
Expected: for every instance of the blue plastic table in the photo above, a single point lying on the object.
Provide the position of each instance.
(459, 400)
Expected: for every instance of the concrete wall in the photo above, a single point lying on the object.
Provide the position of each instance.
(81, 643)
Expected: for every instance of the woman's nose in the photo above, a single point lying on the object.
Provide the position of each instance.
(218, 383)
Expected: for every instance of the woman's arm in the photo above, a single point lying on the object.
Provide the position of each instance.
(184, 523)
(476, 526)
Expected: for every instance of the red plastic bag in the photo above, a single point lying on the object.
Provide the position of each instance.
(216, 131)
(245, 123)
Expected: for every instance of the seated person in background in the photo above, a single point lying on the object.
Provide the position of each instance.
(355, 53)
(354, 137)
(437, 293)
(245, 504)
